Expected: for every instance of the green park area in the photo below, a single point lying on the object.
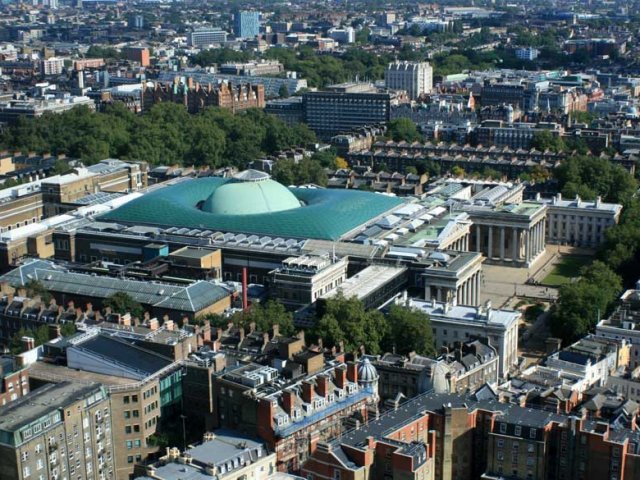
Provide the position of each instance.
(566, 269)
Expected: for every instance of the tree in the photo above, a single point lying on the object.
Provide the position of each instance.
(346, 319)
(36, 288)
(403, 129)
(581, 304)
(40, 335)
(272, 313)
(544, 140)
(341, 163)
(410, 331)
(67, 329)
(283, 91)
(457, 171)
(122, 302)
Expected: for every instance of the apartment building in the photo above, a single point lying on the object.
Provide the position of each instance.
(416, 78)
(58, 431)
(14, 380)
(203, 37)
(447, 436)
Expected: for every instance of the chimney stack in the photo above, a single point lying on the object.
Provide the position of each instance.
(28, 343)
(288, 401)
(153, 324)
(352, 372)
(322, 382)
(307, 391)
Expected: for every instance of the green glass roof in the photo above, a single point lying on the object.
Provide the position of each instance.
(326, 214)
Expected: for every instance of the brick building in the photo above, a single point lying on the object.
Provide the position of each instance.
(196, 97)
(444, 436)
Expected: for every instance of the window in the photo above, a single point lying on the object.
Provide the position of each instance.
(129, 444)
(503, 428)
(336, 474)
(518, 430)
(127, 429)
(532, 433)
(125, 399)
(127, 414)
(130, 459)
(26, 471)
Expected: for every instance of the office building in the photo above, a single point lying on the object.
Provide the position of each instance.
(52, 66)
(416, 78)
(14, 108)
(205, 37)
(57, 431)
(528, 53)
(136, 21)
(343, 35)
(345, 107)
(246, 24)
(139, 55)
(302, 280)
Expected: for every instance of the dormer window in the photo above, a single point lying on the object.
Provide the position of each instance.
(332, 398)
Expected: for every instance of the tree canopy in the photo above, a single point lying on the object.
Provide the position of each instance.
(264, 316)
(581, 304)
(403, 129)
(590, 176)
(167, 134)
(346, 320)
(122, 302)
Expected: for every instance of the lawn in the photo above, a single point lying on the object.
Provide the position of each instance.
(568, 268)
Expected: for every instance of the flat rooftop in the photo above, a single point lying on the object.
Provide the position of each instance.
(51, 372)
(41, 402)
(464, 313)
(366, 281)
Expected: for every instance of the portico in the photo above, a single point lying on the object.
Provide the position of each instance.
(512, 235)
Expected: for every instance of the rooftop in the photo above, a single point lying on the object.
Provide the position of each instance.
(190, 298)
(227, 207)
(41, 402)
(463, 313)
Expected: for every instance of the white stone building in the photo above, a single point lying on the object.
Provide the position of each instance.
(414, 77)
(456, 323)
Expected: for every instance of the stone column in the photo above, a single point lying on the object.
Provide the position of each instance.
(515, 253)
(501, 243)
(439, 294)
(478, 239)
(527, 247)
(490, 246)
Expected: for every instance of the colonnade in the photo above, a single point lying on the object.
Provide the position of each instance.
(510, 243)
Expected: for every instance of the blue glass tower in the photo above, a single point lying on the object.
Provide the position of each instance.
(246, 24)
